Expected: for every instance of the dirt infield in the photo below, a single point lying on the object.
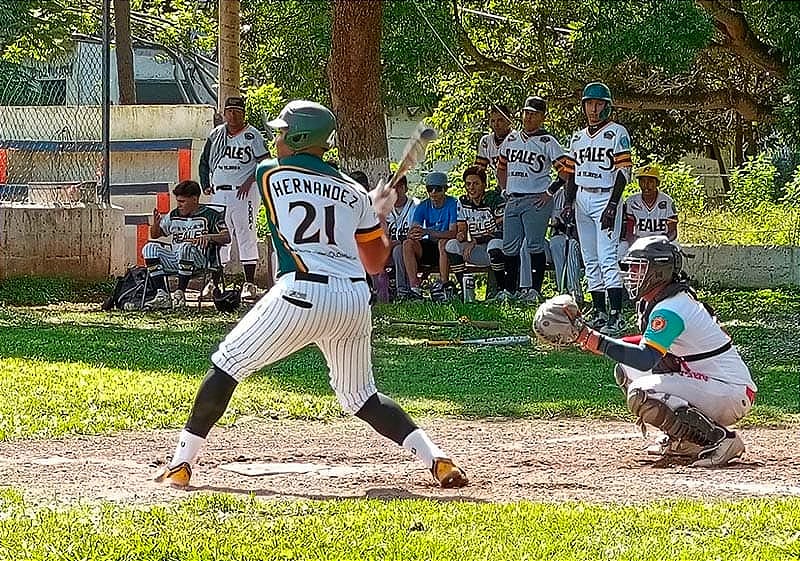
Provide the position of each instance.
(506, 461)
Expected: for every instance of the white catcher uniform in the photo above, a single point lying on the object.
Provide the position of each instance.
(646, 220)
(720, 386)
(596, 159)
(235, 160)
(316, 215)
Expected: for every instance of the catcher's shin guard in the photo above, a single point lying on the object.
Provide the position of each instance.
(684, 423)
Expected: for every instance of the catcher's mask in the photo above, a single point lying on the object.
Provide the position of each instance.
(305, 124)
(598, 90)
(650, 263)
(227, 301)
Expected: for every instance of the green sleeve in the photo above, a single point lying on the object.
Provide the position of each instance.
(663, 328)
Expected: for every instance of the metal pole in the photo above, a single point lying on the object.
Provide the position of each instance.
(106, 79)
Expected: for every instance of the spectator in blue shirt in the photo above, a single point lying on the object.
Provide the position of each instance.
(433, 224)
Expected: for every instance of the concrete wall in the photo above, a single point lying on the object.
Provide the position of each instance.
(744, 266)
(81, 243)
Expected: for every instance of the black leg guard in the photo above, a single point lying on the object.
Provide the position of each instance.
(512, 272)
(685, 423)
(498, 263)
(387, 418)
(211, 402)
(615, 298)
(538, 264)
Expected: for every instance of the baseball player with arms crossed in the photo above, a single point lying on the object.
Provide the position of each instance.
(649, 213)
(227, 170)
(523, 171)
(327, 230)
(682, 375)
(599, 169)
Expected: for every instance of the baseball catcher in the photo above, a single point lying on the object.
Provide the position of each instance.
(682, 375)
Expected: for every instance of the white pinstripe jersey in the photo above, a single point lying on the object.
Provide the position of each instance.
(596, 157)
(649, 221)
(316, 215)
(528, 157)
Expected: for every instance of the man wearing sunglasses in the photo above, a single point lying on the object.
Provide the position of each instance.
(430, 230)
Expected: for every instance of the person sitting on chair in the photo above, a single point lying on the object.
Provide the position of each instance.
(193, 228)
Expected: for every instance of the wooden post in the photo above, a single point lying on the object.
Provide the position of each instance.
(229, 28)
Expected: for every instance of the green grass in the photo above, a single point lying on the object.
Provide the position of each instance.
(223, 527)
(66, 369)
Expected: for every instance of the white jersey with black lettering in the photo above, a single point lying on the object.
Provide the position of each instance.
(650, 220)
(239, 157)
(528, 158)
(399, 220)
(597, 156)
(316, 215)
(489, 150)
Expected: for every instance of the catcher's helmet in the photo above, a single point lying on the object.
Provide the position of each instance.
(598, 90)
(305, 124)
(650, 263)
(650, 171)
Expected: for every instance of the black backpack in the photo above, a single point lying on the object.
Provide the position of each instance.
(128, 290)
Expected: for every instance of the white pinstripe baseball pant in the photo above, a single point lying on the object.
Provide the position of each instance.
(183, 258)
(334, 315)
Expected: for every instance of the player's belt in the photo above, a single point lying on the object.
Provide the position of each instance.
(515, 195)
(223, 187)
(596, 189)
(322, 279)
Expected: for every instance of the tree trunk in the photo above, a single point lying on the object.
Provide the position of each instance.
(124, 51)
(228, 51)
(354, 71)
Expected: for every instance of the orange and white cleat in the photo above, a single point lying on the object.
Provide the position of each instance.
(177, 477)
(448, 474)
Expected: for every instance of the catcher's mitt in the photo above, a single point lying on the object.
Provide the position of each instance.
(558, 320)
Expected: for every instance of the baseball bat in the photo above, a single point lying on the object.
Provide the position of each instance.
(414, 151)
(465, 321)
(494, 341)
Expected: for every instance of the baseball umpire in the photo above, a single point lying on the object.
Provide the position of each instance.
(327, 231)
(599, 169)
(227, 172)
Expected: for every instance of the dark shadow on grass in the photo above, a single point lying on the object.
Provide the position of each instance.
(381, 493)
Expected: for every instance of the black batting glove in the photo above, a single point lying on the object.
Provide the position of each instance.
(609, 216)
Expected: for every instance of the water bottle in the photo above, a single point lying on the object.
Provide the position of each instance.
(469, 287)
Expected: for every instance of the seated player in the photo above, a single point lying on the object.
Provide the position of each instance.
(682, 375)
(565, 251)
(430, 230)
(193, 227)
(479, 233)
(398, 223)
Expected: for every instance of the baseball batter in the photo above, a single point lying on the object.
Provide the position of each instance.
(227, 169)
(651, 212)
(682, 375)
(599, 169)
(326, 233)
(523, 171)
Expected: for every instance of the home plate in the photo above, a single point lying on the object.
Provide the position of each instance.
(256, 469)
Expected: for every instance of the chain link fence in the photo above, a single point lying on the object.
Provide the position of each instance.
(51, 130)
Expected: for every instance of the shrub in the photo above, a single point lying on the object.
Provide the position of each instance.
(752, 184)
(685, 189)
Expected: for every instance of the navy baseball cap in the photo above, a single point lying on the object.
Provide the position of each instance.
(235, 102)
(535, 103)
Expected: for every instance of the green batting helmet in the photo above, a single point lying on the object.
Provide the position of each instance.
(305, 124)
(598, 90)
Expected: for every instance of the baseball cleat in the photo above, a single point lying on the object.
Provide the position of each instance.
(721, 453)
(177, 477)
(249, 291)
(448, 474)
(208, 289)
(666, 446)
(161, 301)
(614, 326)
(178, 299)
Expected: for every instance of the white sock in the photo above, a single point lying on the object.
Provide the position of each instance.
(420, 444)
(187, 449)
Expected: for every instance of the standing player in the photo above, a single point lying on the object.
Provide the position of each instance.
(227, 170)
(326, 233)
(599, 165)
(648, 213)
(682, 375)
(489, 144)
(523, 171)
